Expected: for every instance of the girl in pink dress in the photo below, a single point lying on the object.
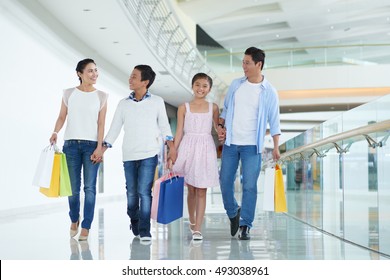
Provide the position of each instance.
(197, 154)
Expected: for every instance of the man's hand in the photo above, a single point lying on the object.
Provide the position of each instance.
(276, 154)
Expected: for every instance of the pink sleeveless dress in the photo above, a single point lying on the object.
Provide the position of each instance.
(197, 155)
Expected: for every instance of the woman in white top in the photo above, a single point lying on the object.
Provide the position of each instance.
(85, 108)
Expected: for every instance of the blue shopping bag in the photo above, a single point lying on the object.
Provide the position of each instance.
(170, 204)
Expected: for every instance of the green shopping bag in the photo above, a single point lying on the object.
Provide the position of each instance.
(60, 181)
(65, 187)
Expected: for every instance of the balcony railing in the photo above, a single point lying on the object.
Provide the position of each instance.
(168, 41)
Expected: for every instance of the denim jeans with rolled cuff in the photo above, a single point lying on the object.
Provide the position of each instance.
(139, 175)
(78, 156)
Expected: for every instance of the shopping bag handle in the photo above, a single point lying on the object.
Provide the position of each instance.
(52, 147)
(172, 174)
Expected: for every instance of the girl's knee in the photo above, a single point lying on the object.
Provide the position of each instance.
(201, 192)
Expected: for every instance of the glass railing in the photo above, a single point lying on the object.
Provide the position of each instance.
(300, 55)
(337, 176)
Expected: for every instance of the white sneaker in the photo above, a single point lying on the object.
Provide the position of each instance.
(146, 238)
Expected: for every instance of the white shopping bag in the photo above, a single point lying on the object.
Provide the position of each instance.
(43, 172)
(269, 188)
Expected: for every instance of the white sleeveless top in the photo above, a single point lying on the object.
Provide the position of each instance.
(83, 112)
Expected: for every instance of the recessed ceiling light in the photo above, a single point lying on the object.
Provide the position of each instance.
(332, 27)
(103, 27)
(87, 10)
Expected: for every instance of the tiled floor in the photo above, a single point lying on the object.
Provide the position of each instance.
(44, 235)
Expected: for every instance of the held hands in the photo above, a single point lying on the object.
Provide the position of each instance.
(97, 155)
(221, 134)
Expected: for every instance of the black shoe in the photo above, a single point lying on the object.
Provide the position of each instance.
(244, 233)
(134, 226)
(235, 223)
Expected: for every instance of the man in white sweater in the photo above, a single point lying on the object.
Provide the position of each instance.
(144, 120)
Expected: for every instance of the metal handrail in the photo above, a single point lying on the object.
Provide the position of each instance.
(321, 147)
(162, 32)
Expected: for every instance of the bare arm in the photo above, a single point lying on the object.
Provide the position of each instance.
(275, 152)
(98, 153)
(221, 130)
(215, 117)
(180, 125)
(59, 123)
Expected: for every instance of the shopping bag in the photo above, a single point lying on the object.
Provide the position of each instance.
(156, 196)
(54, 188)
(269, 187)
(42, 176)
(280, 195)
(170, 205)
(65, 186)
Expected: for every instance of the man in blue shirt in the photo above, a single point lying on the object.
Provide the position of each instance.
(250, 104)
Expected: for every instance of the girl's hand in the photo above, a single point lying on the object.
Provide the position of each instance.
(172, 155)
(169, 165)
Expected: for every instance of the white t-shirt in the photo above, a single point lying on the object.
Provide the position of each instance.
(83, 113)
(246, 109)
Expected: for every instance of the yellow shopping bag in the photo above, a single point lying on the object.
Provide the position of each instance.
(279, 193)
(54, 189)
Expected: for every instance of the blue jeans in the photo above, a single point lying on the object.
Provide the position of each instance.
(251, 164)
(139, 176)
(78, 153)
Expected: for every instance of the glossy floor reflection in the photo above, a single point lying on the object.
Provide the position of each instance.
(44, 235)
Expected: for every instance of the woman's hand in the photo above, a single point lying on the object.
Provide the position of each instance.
(97, 155)
(53, 138)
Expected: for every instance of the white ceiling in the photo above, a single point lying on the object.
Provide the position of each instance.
(306, 25)
(101, 30)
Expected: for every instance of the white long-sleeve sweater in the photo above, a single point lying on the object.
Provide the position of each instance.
(144, 123)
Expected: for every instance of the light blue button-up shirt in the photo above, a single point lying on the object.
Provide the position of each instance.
(268, 111)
